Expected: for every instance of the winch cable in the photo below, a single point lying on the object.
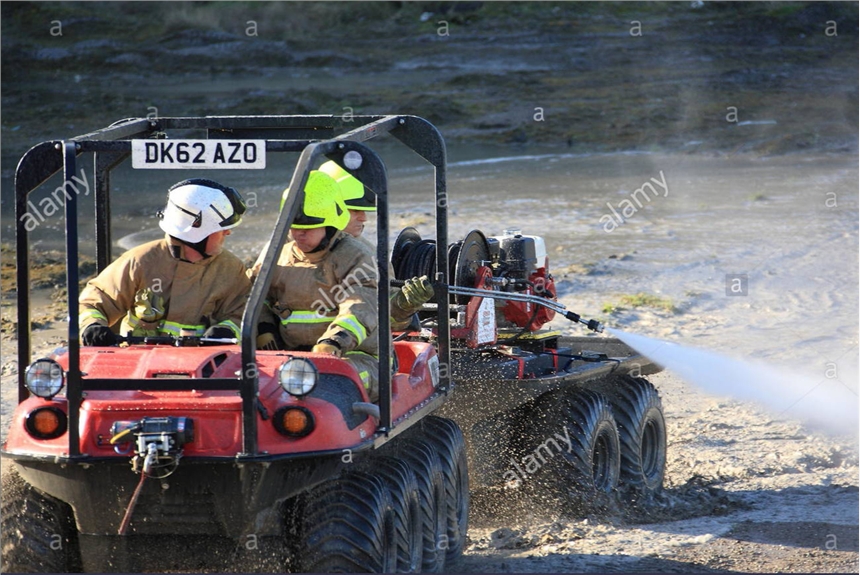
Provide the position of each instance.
(151, 454)
(123, 527)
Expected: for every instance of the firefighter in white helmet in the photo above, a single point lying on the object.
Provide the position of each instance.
(184, 284)
(323, 292)
(359, 200)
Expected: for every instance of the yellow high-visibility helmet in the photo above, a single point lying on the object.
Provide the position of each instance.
(323, 205)
(356, 195)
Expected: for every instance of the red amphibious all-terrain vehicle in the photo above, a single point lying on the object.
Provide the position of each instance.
(179, 452)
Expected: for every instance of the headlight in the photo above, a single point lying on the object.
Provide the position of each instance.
(45, 378)
(298, 376)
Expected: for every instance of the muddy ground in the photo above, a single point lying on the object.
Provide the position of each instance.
(746, 490)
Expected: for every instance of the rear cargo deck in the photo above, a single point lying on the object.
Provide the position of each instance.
(492, 382)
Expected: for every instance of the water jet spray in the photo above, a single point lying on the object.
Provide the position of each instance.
(825, 403)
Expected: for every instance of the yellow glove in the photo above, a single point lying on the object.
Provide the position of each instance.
(148, 306)
(266, 341)
(329, 347)
(149, 310)
(266, 336)
(414, 293)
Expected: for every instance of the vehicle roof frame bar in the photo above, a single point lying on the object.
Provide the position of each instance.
(112, 145)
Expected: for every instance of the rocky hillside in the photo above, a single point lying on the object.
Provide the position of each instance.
(691, 76)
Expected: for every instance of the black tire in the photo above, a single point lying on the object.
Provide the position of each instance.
(642, 432)
(585, 474)
(39, 533)
(423, 458)
(347, 527)
(448, 437)
(405, 496)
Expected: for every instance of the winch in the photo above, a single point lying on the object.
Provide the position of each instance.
(157, 443)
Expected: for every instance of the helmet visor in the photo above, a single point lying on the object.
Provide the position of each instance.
(198, 217)
(238, 205)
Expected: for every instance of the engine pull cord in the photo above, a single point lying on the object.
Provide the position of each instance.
(151, 455)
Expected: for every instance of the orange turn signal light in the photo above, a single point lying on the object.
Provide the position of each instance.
(294, 421)
(46, 422)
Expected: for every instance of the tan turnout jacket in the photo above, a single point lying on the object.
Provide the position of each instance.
(198, 295)
(328, 295)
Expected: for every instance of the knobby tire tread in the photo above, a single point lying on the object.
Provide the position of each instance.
(342, 525)
(448, 437)
(634, 402)
(31, 525)
(568, 476)
(423, 458)
(402, 485)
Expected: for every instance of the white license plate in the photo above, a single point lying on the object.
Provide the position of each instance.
(198, 154)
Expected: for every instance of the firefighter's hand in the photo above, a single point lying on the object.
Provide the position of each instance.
(267, 341)
(220, 332)
(266, 336)
(98, 335)
(148, 306)
(328, 346)
(414, 293)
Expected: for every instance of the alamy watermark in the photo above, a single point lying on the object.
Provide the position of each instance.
(627, 207)
(737, 284)
(54, 203)
(337, 294)
(532, 462)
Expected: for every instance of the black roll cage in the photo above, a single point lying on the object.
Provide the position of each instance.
(314, 137)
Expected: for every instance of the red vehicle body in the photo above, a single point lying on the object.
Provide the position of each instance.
(231, 446)
(241, 445)
(219, 433)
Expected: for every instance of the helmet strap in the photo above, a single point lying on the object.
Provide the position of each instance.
(330, 231)
(199, 247)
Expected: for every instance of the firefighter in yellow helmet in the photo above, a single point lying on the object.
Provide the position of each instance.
(323, 294)
(184, 284)
(359, 200)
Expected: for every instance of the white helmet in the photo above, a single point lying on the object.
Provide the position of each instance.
(198, 208)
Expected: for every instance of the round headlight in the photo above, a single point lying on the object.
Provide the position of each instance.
(45, 378)
(298, 376)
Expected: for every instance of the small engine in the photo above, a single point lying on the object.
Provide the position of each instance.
(521, 265)
(511, 263)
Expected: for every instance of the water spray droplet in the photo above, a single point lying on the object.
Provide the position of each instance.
(826, 403)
